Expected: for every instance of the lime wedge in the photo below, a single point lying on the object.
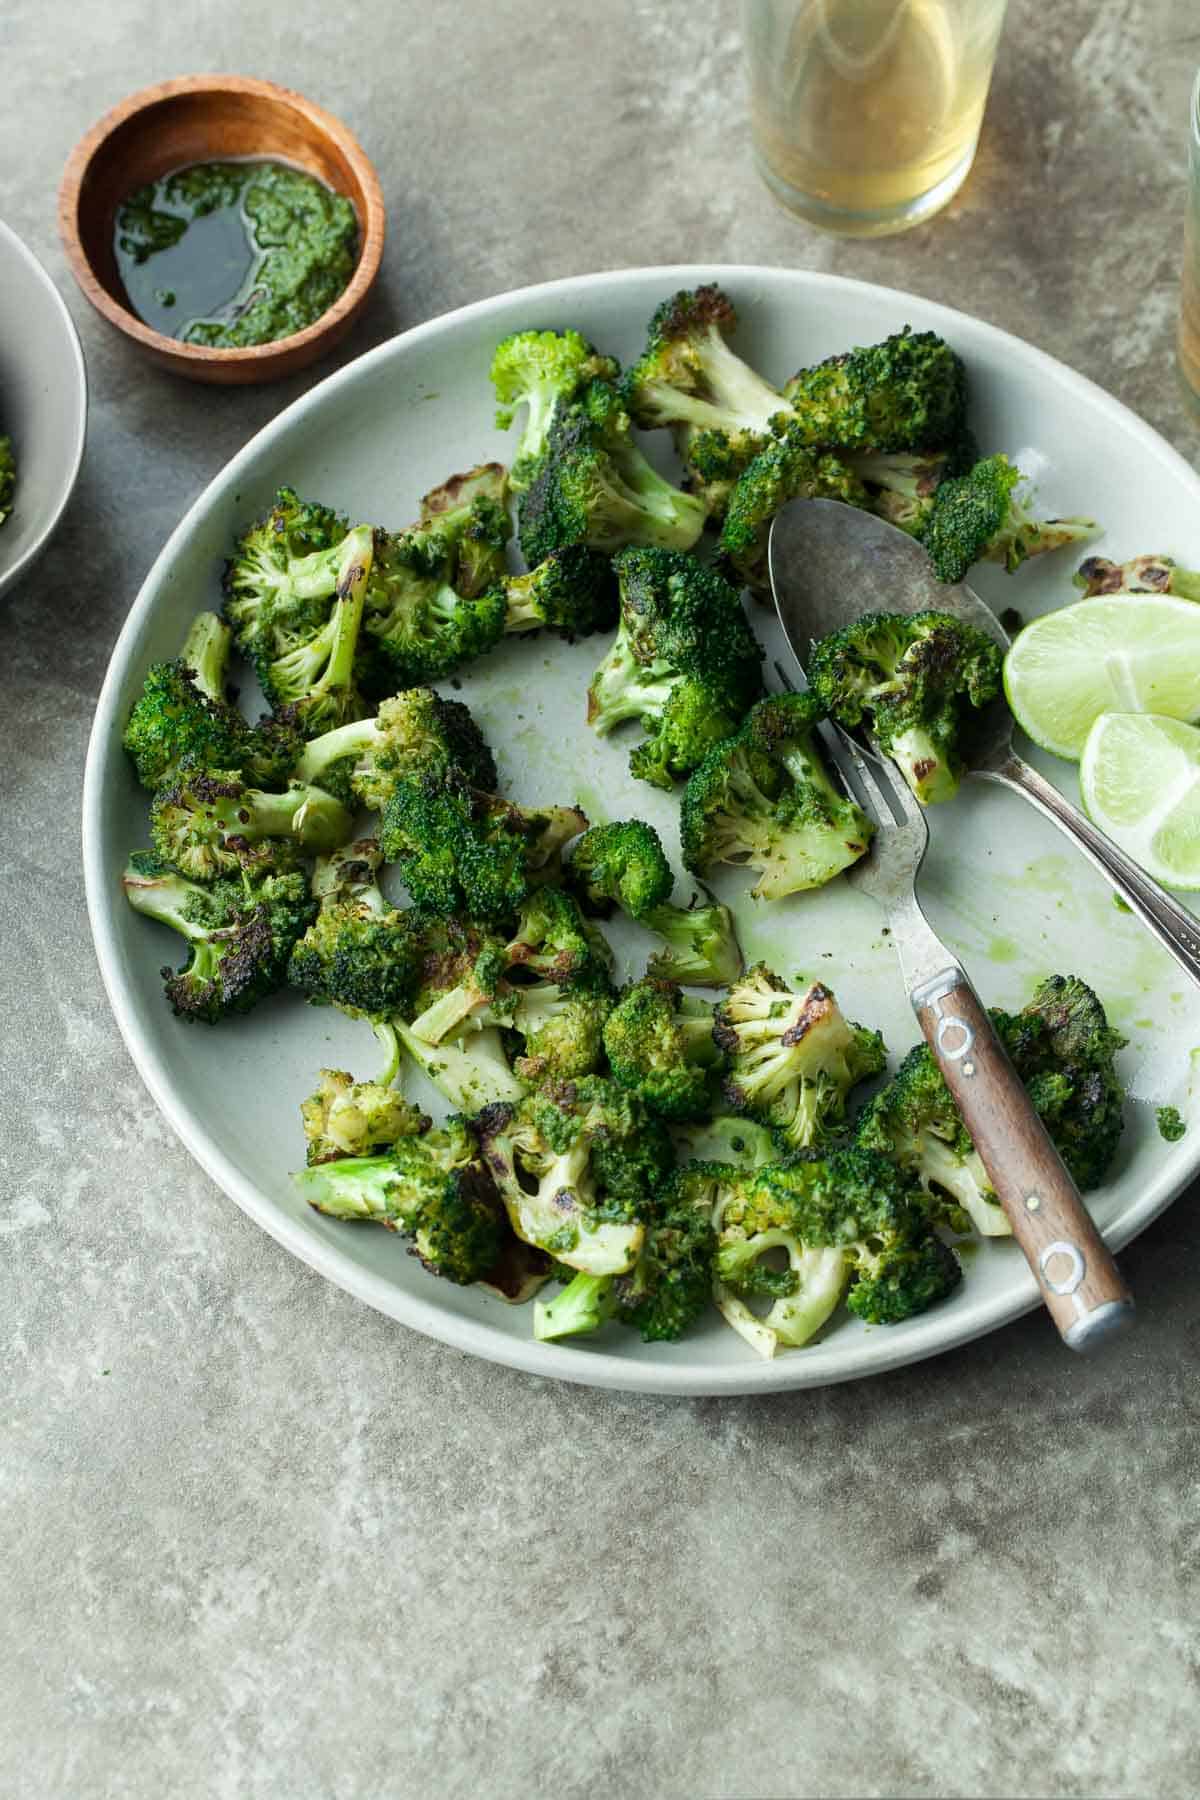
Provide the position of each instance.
(1140, 781)
(1128, 653)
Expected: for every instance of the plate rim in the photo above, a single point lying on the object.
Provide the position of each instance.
(10, 576)
(875, 1354)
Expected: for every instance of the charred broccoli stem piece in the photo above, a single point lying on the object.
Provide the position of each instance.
(669, 1286)
(763, 800)
(793, 1058)
(1140, 575)
(905, 393)
(572, 592)
(432, 1188)
(471, 1072)
(984, 516)
(205, 821)
(542, 371)
(594, 486)
(240, 932)
(660, 1046)
(787, 468)
(684, 662)
(347, 1118)
(913, 678)
(577, 1163)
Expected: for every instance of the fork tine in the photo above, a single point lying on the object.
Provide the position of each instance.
(841, 765)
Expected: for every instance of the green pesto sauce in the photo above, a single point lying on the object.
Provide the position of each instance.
(232, 254)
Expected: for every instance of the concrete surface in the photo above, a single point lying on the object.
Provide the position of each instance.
(261, 1542)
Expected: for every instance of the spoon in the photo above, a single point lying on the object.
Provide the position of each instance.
(830, 563)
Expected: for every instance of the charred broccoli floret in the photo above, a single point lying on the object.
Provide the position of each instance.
(315, 678)
(763, 800)
(1140, 575)
(281, 576)
(660, 1045)
(417, 734)
(346, 1118)
(594, 486)
(204, 821)
(554, 941)
(577, 1164)
(433, 601)
(854, 1206)
(623, 864)
(572, 592)
(669, 1286)
(542, 371)
(902, 485)
(432, 1188)
(240, 933)
(684, 662)
(905, 393)
(561, 1025)
(786, 469)
(983, 516)
(793, 1058)
(361, 955)
(912, 678)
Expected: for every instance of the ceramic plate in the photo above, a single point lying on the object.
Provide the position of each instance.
(1010, 896)
(43, 403)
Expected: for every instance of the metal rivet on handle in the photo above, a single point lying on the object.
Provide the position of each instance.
(1074, 1256)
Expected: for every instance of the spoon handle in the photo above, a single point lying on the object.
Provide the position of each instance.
(1079, 1282)
(1177, 930)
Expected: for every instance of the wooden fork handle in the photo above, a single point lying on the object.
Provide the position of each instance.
(1076, 1275)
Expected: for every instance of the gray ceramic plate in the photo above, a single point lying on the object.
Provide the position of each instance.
(43, 403)
(1005, 890)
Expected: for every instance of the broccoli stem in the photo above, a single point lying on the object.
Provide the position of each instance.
(623, 688)
(332, 746)
(703, 948)
(966, 1182)
(390, 1040)
(449, 1010)
(470, 1078)
(585, 1304)
(166, 898)
(923, 765)
(206, 653)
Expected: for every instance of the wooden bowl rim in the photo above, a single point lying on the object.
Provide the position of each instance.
(347, 302)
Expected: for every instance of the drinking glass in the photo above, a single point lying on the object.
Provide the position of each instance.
(865, 114)
(1189, 307)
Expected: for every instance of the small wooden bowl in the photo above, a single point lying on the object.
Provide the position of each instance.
(206, 118)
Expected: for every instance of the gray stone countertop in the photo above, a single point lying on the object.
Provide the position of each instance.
(263, 1542)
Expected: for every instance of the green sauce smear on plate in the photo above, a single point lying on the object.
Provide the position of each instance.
(232, 254)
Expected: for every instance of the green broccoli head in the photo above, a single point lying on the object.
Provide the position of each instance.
(763, 800)
(356, 957)
(622, 864)
(542, 371)
(432, 1188)
(240, 932)
(595, 487)
(571, 592)
(576, 1164)
(787, 468)
(793, 1058)
(553, 941)
(660, 1045)
(983, 516)
(906, 393)
(315, 676)
(561, 1025)
(914, 679)
(416, 735)
(282, 573)
(347, 1118)
(204, 821)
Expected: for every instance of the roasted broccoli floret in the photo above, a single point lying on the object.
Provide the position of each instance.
(554, 941)
(669, 1286)
(915, 1121)
(793, 1058)
(432, 1188)
(203, 821)
(8, 478)
(433, 601)
(282, 573)
(361, 955)
(912, 678)
(906, 393)
(660, 1045)
(561, 1025)
(720, 410)
(315, 677)
(543, 371)
(417, 734)
(572, 592)
(983, 516)
(684, 662)
(623, 864)
(240, 931)
(786, 469)
(343, 1117)
(763, 800)
(902, 485)
(855, 1206)
(594, 486)
(1140, 575)
(577, 1164)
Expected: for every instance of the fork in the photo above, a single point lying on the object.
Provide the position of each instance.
(1077, 1278)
